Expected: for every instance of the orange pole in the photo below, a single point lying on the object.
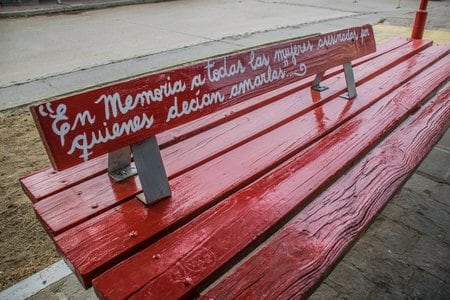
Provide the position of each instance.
(420, 20)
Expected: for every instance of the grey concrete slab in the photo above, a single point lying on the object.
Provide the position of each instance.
(433, 256)
(347, 280)
(356, 6)
(46, 56)
(444, 143)
(399, 238)
(437, 165)
(43, 46)
(46, 7)
(52, 86)
(25, 93)
(66, 288)
(323, 292)
(379, 264)
(432, 190)
(37, 282)
(405, 254)
(426, 286)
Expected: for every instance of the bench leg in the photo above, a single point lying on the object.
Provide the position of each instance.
(350, 80)
(151, 172)
(119, 164)
(316, 83)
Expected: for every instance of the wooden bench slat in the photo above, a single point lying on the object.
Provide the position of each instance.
(61, 211)
(217, 118)
(300, 255)
(190, 255)
(193, 253)
(223, 138)
(90, 252)
(48, 181)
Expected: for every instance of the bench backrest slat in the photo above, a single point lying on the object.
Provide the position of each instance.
(82, 126)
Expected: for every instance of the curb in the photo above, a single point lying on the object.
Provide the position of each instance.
(36, 282)
(28, 11)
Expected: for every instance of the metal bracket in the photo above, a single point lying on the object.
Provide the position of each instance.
(350, 80)
(151, 171)
(316, 83)
(119, 164)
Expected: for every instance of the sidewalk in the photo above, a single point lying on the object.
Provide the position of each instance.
(405, 254)
(42, 56)
(46, 7)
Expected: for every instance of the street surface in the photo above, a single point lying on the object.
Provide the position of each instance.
(45, 56)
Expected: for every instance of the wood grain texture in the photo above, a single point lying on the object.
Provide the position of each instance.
(85, 125)
(197, 190)
(300, 255)
(47, 182)
(78, 203)
(191, 256)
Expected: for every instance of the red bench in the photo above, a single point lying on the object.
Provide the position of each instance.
(269, 169)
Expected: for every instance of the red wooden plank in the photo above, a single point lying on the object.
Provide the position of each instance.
(72, 206)
(85, 125)
(178, 263)
(224, 115)
(223, 138)
(48, 181)
(90, 252)
(299, 256)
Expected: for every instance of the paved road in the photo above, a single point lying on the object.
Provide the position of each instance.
(45, 56)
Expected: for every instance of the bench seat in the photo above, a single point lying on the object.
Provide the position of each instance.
(252, 183)
(304, 251)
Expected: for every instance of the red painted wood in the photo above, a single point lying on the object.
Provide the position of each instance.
(48, 181)
(90, 253)
(56, 181)
(299, 256)
(226, 114)
(225, 137)
(85, 125)
(177, 263)
(72, 206)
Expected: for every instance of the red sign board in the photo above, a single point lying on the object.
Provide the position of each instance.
(82, 126)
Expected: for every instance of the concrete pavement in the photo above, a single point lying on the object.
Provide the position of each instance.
(46, 56)
(63, 43)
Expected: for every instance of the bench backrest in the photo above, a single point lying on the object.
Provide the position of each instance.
(84, 125)
(123, 118)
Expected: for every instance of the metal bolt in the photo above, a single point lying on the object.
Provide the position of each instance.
(188, 281)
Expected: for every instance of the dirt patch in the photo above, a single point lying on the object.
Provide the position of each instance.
(25, 247)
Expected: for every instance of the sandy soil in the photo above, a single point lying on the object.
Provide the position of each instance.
(24, 246)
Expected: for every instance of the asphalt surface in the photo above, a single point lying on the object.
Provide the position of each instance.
(49, 55)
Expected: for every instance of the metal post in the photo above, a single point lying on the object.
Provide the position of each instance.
(350, 80)
(119, 164)
(420, 20)
(316, 83)
(151, 172)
